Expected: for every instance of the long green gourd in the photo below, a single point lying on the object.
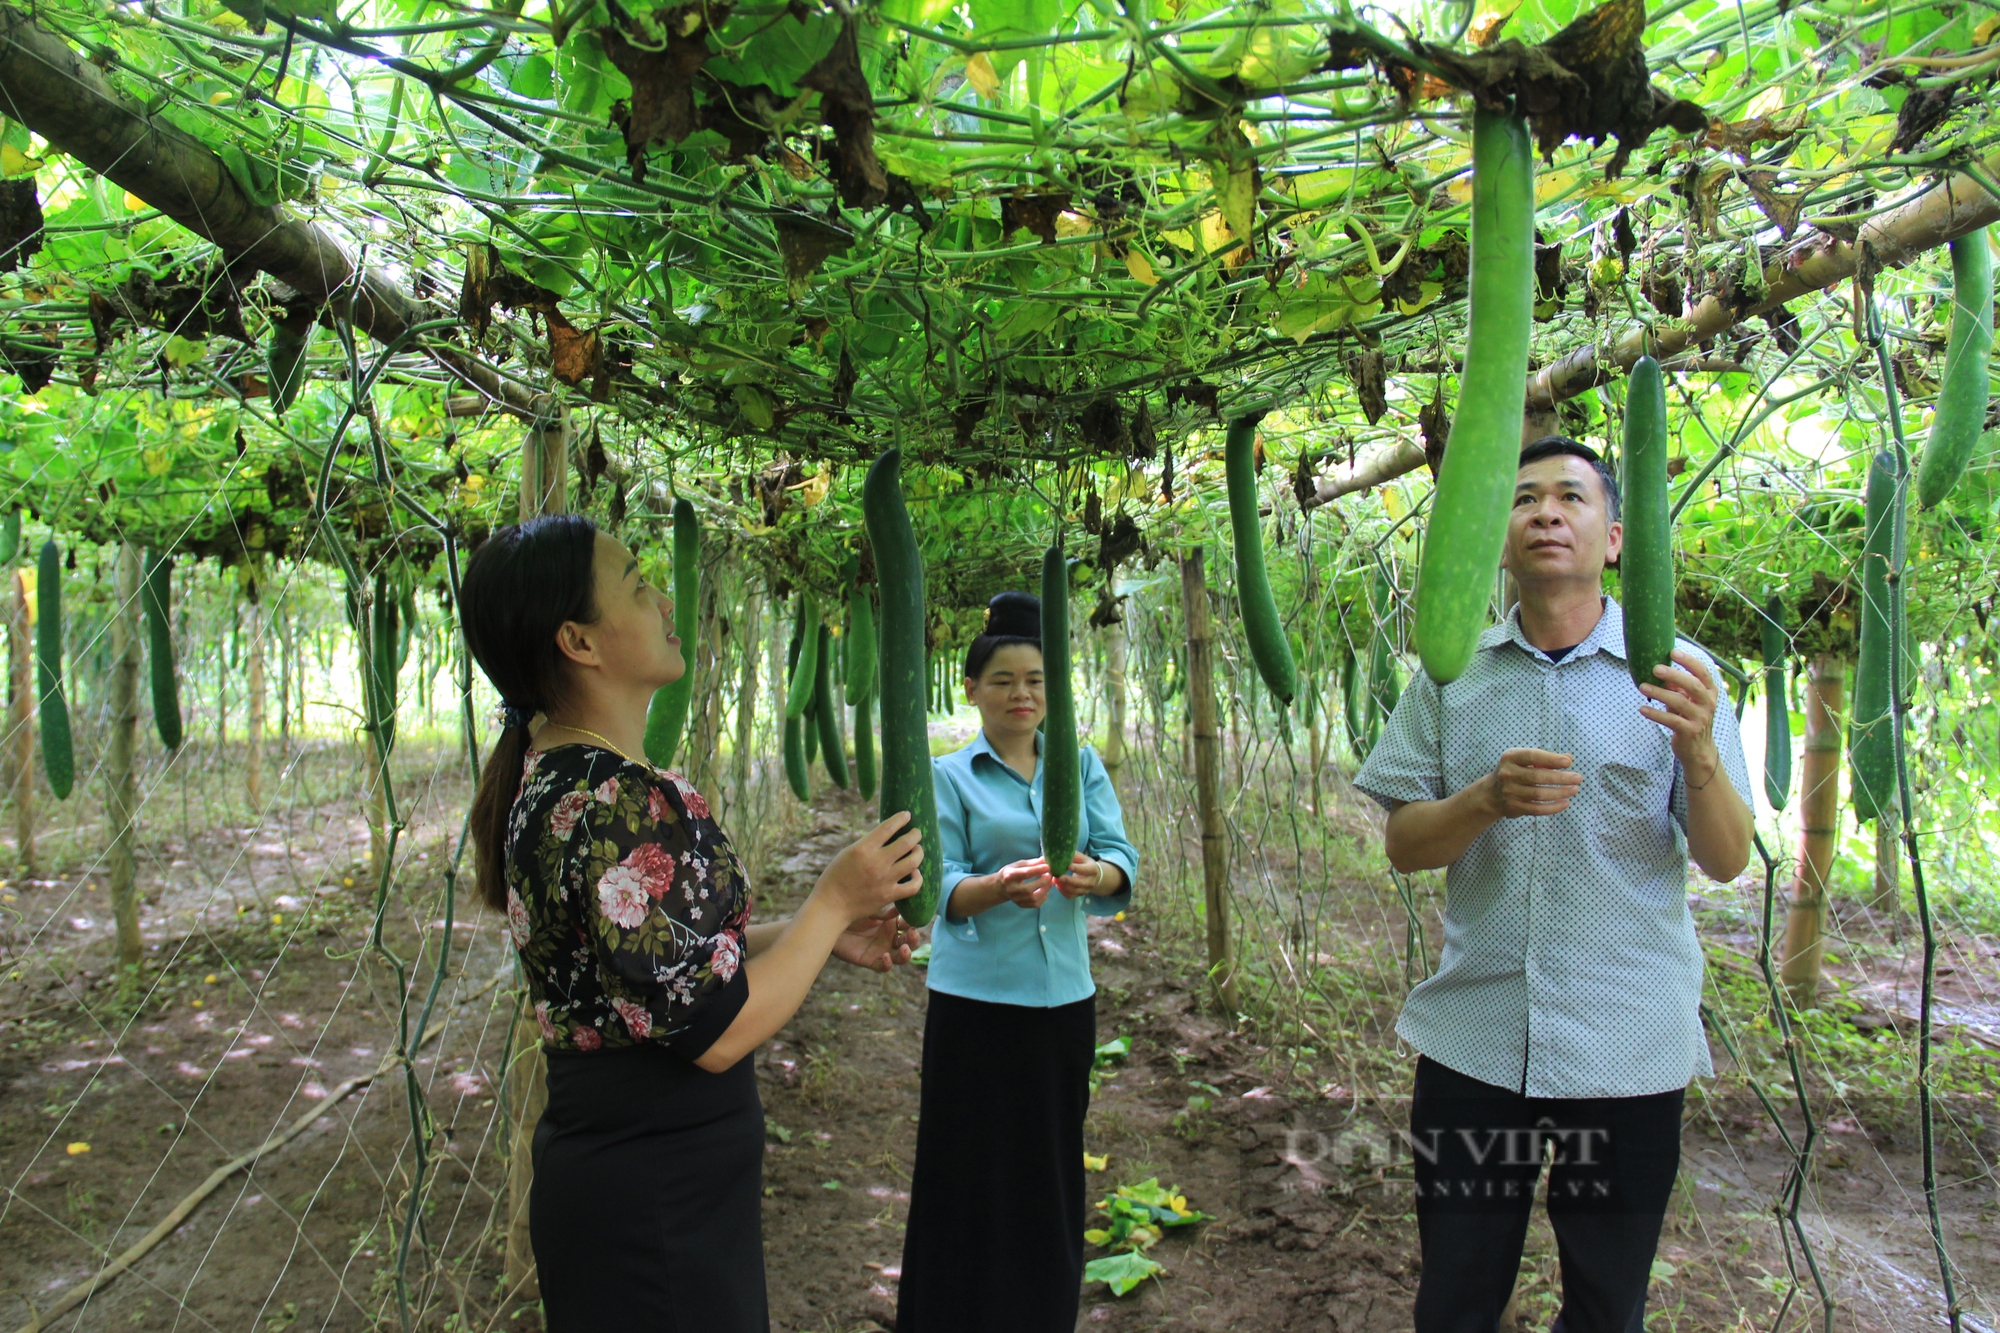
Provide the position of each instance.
(285, 358)
(795, 727)
(860, 643)
(823, 717)
(666, 715)
(1960, 418)
(58, 753)
(1777, 707)
(799, 696)
(1062, 759)
(1871, 746)
(864, 747)
(1468, 523)
(1646, 566)
(10, 536)
(901, 668)
(156, 599)
(1263, 629)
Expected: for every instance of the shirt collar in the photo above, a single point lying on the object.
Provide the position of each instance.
(1608, 636)
(982, 746)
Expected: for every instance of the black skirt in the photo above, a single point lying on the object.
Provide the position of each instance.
(995, 1240)
(646, 1213)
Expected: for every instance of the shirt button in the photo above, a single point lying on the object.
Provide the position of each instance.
(1045, 930)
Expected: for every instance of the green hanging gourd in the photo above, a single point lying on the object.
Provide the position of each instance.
(1963, 388)
(1468, 523)
(58, 753)
(1263, 628)
(1871, 748)
(1062, 758)
(799, 696)
(796, 770)
(864, 747)
(902, 671)
(823, 717)
(10, 536)
(860, 641)
(1777, 708)
(156, 599)
(1646, 564)
(666, 715)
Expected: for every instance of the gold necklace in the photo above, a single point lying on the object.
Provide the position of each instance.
(605, 741)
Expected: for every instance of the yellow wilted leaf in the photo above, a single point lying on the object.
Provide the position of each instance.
(14, 162)
(78, 1149)
(979, 73)
(219, 97)
(816, 486)
(1097, 1236)
(1236, 195)
(1983, 34)
(475, 482)
(157, 462)
(1393, 503)
(134, 204)
(1139, 267)
(1767, 103)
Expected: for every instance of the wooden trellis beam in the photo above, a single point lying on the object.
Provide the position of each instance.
(1953, 208)
(65, 98)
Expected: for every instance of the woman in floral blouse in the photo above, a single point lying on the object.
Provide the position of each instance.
(632, 917)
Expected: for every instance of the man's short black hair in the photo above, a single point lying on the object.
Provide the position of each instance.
(1549, 446)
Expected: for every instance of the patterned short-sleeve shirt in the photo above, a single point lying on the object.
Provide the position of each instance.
(1570, 964)
(626, 902)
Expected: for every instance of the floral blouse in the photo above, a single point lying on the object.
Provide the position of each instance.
(627, 904)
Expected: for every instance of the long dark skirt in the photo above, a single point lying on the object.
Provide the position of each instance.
(646, 1213)
(995, 1241)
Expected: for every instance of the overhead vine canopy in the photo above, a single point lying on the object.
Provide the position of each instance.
(1001, 230)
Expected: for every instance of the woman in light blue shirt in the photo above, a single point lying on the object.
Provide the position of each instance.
(995, 1238)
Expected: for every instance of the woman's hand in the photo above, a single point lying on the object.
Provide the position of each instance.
(1025, 883)
(877, 943)
(1089, 876)
(875, 872)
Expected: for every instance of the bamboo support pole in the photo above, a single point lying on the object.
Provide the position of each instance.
(1114, 701)
(1206, 731)
(1819, 826)
(253, 758)
(122, 805)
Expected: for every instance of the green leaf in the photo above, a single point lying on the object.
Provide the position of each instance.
(775, 52)
(1121, 1272)
(179, 351)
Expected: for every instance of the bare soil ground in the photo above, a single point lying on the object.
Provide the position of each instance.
(256, 1017)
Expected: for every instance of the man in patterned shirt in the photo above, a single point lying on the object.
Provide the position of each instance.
(1563, 1022)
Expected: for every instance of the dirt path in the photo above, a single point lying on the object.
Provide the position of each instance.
(1311, 1227)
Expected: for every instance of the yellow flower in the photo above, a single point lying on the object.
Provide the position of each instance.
(209, 980)
(1091, 1163)
(78, 1149)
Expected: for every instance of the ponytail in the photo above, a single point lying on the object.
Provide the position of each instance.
(492, 807)
(521, 586)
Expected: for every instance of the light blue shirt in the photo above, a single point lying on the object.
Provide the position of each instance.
(989, 817)
(1571, 967)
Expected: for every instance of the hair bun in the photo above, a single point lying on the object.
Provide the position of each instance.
(1014, 615)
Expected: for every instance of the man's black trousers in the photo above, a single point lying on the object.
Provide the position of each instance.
(1479, 1151)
